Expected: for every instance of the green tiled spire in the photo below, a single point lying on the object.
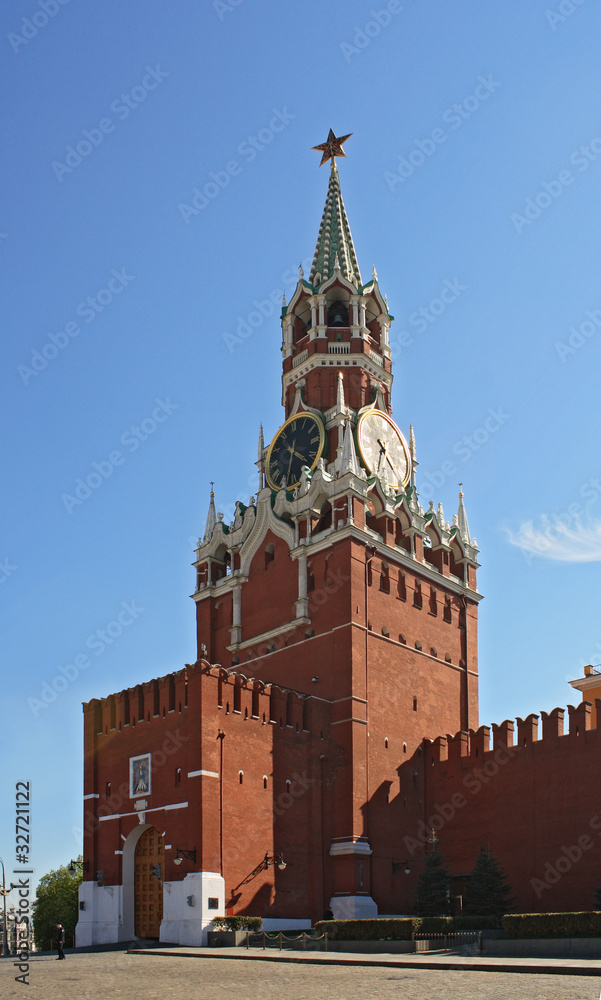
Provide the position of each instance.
(334, 239)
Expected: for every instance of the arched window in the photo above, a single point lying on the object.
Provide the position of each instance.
(241, 777)
(417, 595)
(269, 554)
(237, 695)
(385, 579)
(447, 613)
(255, 702)
(401, 588)
(264, 781)
(433, 603)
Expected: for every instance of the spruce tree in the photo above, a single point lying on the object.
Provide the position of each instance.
(488, 891)
(432, 899)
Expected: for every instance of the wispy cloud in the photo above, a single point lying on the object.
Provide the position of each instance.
(577, 543)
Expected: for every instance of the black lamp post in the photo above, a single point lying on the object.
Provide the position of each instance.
(4, 891)
(83, 865)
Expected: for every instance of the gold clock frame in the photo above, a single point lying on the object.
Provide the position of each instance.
(384, 416)
(291, 420)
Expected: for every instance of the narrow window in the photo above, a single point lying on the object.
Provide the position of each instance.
(447, 613)
(385, 579)
(272, 707)
(310, 580)
(237, 696)
(415, 704)
(386, 744)
(264, 781)
(402, 588)
(269, 554)
(219, 691)
(417, 595)
(433, 603)
(369, 574)
(107, 790)
(241, 777)
(178, 776)
(255, 702)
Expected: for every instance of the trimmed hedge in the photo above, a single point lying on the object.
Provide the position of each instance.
(398, 929)
(237, 923)
(401, 928)
(553, 925)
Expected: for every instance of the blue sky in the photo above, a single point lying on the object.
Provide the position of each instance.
(475, 163)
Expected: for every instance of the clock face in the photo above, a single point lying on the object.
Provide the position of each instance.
(383, 448)
(298, 442)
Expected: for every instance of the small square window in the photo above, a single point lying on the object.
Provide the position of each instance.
(213, 903)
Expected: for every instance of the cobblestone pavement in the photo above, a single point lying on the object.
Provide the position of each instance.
(128, 977)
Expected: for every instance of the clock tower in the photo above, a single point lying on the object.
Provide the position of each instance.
(335, 587)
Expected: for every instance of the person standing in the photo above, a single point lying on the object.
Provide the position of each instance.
(60, 940)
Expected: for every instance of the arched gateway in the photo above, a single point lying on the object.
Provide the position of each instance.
(148, 889)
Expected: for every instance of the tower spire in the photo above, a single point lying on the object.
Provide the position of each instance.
(412, 452)
(464, 529)
(348, 461)
(211, 517)
(334, 239)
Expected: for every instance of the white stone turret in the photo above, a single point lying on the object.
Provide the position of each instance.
(211, 518)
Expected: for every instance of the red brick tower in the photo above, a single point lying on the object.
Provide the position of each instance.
(336, 585)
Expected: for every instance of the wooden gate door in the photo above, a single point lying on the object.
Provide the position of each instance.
(150, 850)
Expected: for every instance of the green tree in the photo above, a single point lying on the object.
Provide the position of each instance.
(488, 891)
(56, 899)
(432, 899)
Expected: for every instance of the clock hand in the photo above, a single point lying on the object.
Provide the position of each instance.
(291, 457)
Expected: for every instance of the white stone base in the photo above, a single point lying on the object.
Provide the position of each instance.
(353, 907)
(186, 914)
(102, 920)
(99, 922)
